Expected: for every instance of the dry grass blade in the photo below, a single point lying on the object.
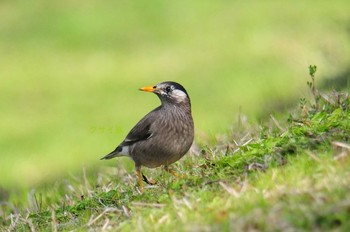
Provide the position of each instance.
(31, 225)
(151, 205)
(86, 183)
(187, 203)
(246, 143)
(277, 124)
(341, 144)
(244, 139)
(163, 220)
(344, 150)
(14, 221)
(105, 225)
(108, 210)
(126, 211)
(54, 221)
(313, 156)
(229, 189)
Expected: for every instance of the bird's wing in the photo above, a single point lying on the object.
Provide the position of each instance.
(142, 130)
(139, 134)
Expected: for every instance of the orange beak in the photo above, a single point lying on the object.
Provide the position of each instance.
(148, 88)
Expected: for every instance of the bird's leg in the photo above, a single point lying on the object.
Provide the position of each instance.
(171, 171)
(139, 178)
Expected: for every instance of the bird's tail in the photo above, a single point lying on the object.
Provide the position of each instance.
(113, 154)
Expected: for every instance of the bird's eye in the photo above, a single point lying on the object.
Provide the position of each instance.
(168, 89)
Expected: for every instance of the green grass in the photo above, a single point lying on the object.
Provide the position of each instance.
(68, 95)
(69, 68)
(290, 174)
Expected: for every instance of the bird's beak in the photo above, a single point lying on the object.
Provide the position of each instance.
(148, 88)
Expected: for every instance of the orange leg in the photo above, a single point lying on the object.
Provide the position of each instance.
(139, 177)
(166, 168)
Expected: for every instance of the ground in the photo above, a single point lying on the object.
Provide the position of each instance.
(286, 174)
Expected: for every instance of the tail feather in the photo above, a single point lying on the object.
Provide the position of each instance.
(113, 154)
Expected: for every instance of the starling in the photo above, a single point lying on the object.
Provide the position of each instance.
(164, 135)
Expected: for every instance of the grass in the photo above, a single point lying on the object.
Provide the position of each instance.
(290, 174)
(70, 73)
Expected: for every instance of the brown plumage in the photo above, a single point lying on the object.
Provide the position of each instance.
(164, 135)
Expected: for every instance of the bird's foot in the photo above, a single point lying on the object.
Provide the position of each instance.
(148, 181)
(172, 172)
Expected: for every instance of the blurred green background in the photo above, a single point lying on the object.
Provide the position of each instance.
(70, 70)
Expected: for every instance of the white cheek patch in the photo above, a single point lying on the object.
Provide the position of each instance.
(179, 95)
(125, 151)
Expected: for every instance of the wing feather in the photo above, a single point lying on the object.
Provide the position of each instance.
(141, 131)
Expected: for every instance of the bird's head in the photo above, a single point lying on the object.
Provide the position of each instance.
(169, 92)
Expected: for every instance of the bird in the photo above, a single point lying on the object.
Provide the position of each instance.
(164, 135)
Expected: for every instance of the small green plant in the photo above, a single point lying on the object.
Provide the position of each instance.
(326, 102)
(312, 86)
